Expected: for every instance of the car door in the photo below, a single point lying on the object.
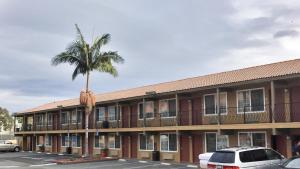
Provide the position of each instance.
(9, 145)
(2, 145)
(253, 159)
(274, 158)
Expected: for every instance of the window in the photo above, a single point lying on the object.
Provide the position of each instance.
(76, 141)
(168, 142)
(149, 110)
(253, 155)
(210, 104)
(65, 140)
(215, 142)
(272, 155)
(252, 139)
(223, 157)
(64, 117)
(112, 113)
(167, 108)
(100, 114)
(48, 140)
(251, 100)
(100, 141)
(146, 142)
(114, 141)
(39, 119)
(79, 116)
(49, 119)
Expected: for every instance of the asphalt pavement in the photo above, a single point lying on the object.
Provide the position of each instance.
(33, 160)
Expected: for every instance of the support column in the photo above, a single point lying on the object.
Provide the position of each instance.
(129, 116)
(191, 149)
(288, 147)
(129, 146)
(144, 117)
(273, 105)
(177, 109)
(190, 109)
(218, 109)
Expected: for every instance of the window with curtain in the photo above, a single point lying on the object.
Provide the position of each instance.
(112, 113)
(100, 141)
(210, 103)
(251, 100)
(100, 114)
(168, 142)
(167, 108)
(252, 139)
(149, 110)
(146, 142)
(48, 140)
(215, 142)
(114, 141)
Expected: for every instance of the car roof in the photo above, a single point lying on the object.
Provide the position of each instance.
(243, 148)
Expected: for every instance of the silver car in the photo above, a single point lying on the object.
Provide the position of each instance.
(245, 158)
(9, 146)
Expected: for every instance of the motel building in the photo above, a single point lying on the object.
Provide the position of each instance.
(178, 120)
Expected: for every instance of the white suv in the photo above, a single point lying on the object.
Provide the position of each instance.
(244, 158)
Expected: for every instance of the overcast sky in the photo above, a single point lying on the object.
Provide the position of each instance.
(160, 41)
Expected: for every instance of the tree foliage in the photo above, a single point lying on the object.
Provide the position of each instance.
(6, 120)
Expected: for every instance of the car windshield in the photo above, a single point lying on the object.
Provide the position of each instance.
(223, 157)
(292, 163)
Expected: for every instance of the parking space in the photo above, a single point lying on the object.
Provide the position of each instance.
(26, 160)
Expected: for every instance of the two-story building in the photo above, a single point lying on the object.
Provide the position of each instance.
(256, 106)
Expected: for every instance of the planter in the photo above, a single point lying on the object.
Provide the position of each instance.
(104, 152)
(69, 150)
(42, 148)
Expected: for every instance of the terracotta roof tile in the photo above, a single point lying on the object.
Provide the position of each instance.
(252, 73)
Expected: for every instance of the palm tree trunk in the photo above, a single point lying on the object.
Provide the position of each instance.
(86, 142)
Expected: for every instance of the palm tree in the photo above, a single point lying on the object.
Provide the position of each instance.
(86, 59)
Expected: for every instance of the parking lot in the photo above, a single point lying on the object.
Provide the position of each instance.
(26, 160)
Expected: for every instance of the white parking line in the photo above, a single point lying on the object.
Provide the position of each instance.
(144, 166)
(122, 160)
(165, 163)
(60, 154)
(192, 166)
(13, 166)
(40, 165)
(48, 153)
(143, 161)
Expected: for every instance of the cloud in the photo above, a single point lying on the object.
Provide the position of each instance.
(156, 38)
(285, 33)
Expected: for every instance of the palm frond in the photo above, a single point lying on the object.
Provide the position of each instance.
(100, 41)
(113, 56)
(79, 35)
(63, 57)
(107, 67)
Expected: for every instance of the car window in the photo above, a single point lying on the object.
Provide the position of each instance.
(223, 157)
(253, 155)
(294, 163)
(272, 155)
(1, 142)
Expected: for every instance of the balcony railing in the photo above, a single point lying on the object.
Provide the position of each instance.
(283, 113)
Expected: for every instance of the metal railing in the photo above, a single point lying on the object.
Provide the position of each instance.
(283, 113)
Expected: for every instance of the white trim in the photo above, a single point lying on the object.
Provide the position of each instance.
(215, 98)
(251, 89)
(168, 108)
(177, 141)
(139, 144)
(251, 132)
